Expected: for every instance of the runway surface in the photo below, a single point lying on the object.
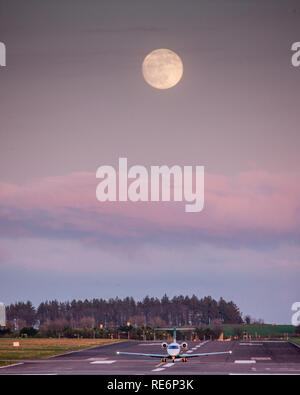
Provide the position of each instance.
(255, 357)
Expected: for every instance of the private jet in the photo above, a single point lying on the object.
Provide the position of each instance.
(174, 350)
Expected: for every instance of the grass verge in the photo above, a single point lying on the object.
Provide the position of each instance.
(295, 340)
(260, 330)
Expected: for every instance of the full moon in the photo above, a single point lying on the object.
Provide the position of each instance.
(162, 68)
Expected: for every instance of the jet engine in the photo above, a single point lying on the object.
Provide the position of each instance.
(184, 345)
(164, 345)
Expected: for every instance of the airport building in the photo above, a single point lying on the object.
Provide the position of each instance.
(2, 315)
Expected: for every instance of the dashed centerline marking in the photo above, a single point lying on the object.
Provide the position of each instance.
(167, 365)
(96, 359)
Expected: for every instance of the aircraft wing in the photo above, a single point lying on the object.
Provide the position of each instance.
(143, 355)
(203, 354)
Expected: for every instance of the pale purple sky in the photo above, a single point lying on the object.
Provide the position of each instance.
(73, 98)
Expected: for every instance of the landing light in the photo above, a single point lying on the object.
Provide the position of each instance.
(118, 352)
(230, 352)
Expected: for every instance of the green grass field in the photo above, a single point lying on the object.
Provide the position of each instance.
(295, 340)
(41, 348)
(261, 330)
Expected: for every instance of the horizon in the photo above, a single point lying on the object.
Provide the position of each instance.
(140, 300)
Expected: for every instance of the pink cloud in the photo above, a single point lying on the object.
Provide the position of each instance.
(254, 203)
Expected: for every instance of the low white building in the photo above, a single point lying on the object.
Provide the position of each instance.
(2, 315)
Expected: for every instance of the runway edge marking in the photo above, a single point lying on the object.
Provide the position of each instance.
(10, 366)
(294, 344)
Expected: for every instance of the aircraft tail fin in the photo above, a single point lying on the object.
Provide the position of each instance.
(174, 330)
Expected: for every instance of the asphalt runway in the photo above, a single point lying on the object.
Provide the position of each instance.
(255, 357)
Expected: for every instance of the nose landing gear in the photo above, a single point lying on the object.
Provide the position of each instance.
(184, 359)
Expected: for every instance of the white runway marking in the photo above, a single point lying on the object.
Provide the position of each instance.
(261, 358)
(270, 341)
(264, 341)
(167, 365)
(244, 361)
(38, 374)
(11, 365)
(251, 344)
(102, 362)
(263, 374)
(96, 359)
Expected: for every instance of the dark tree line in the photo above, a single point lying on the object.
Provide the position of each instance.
(179, 311)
